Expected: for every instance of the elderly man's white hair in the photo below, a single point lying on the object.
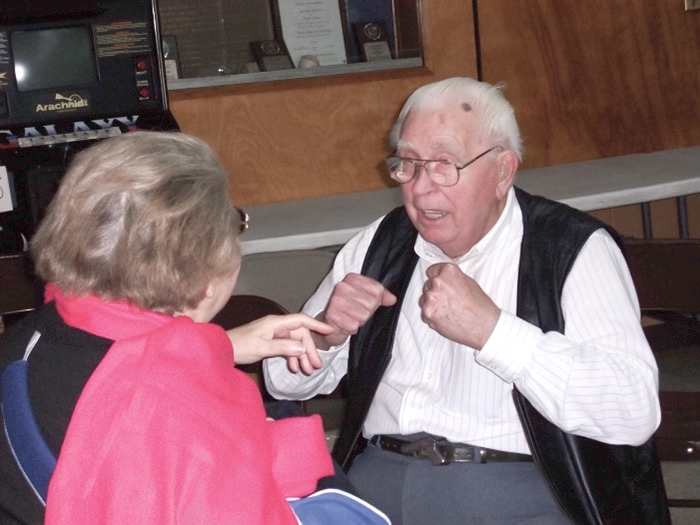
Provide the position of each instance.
(495, 113)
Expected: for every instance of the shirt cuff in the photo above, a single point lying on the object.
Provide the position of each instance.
(329, 355)
(508, 350)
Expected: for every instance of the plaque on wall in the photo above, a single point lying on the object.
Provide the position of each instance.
(373, 39)
(170, 57)
(270, 55)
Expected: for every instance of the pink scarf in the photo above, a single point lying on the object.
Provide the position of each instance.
(166, 430)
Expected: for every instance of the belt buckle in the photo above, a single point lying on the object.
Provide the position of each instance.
(426, 447)
(467, 454)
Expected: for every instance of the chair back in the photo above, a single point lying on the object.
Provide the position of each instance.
(20, 290)
(666, 273)
(242, 309)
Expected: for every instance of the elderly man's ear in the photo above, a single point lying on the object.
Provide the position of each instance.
(507, 164)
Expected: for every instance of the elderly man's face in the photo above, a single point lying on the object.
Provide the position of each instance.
(453, 218)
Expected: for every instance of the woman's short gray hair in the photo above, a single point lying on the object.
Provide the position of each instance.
(144, 217)
(496, 114)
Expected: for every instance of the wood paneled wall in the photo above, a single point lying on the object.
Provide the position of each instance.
(588, 80)
(596, 79)
(323, 136)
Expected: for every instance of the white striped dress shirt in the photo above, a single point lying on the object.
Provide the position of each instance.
(599, 379)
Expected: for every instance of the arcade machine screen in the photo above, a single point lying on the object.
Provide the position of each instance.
(53, 58)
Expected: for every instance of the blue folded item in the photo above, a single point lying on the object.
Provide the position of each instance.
(332, 506)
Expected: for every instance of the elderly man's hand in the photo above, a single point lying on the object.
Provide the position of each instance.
(277, 335)
(353, 301)
(454, 305)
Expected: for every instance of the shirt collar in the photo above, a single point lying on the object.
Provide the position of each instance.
(508, 220)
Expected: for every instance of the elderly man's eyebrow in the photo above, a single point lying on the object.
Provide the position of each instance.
(448, 147)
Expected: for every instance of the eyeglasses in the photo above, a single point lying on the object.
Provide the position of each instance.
(245, 219)
(441, 172)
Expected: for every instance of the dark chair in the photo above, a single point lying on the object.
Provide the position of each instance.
(242, 309)
(20, 290)
(666, 274)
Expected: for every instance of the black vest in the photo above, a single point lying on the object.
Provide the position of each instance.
(595, 483)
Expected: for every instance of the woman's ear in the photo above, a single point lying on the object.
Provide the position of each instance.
(507, 164)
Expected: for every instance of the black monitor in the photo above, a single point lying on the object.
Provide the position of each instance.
(54, 58)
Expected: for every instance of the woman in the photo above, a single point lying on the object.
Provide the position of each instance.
(127, 379)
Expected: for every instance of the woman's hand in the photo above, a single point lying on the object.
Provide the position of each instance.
(278, 335)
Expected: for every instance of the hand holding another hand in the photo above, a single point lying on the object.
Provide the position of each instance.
(277, 335)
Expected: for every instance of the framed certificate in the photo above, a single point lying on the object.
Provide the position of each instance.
(312, 28)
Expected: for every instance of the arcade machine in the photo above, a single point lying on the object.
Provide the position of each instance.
(71, 73)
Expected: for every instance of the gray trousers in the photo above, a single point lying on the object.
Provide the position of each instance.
(412, 491)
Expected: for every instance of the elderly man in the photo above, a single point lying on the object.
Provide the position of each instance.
(481, 328)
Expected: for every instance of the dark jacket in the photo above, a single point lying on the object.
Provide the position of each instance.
(594, 482)
(62, 362)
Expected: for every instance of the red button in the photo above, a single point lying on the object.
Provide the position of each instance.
(142, 65)
(144, 92)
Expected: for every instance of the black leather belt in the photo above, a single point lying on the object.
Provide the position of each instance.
(441, 452)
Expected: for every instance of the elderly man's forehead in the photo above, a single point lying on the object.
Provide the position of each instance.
(444, 114)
